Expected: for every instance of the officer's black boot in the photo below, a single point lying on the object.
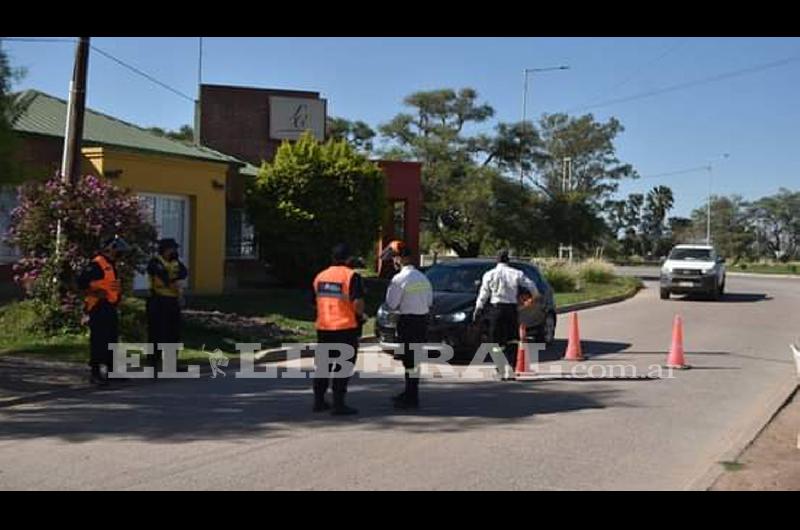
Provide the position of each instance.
(320, 405)
(339, 408)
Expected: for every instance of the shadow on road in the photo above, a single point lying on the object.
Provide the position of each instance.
(234, 408)
(729, 298)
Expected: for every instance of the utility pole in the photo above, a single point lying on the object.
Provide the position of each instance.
(197, 101)
(76, 109)
(73, 134)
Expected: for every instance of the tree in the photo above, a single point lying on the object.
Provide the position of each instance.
(595, 168)
(311, 197)
(776, 220)
(357, 133)
(8, 113)
(184, 134)
(658, 203)
(90, 211)
(730, 232)
(455, 189)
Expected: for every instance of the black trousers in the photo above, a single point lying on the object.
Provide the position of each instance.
(504, 329)
(411, 329)
(338, 384)
(163, 323)
(103, 330)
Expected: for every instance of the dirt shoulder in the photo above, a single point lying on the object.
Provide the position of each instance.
(772, 461)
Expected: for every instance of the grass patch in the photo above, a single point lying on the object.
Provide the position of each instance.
(732, 466)
(767, 268)
(595, 291)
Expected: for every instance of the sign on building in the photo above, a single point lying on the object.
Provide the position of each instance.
(291, 117)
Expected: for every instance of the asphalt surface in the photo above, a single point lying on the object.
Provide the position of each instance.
(228, 433)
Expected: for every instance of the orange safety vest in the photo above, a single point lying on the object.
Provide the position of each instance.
(108, 283)
(335, 310)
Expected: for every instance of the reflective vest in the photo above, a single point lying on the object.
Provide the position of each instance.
(157, 286)
(107, 283)
(335, 310)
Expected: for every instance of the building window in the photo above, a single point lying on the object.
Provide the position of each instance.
(170, 216)
(240, 236)
(8, 201)
(399, 220)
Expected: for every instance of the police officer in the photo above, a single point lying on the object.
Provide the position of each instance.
(103, 292)
(501, 287)
(163, 306)
(339, 300)
(411, 295)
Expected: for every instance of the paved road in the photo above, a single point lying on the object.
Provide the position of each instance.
(599, 434)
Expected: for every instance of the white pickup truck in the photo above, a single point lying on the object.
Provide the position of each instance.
(693, 269)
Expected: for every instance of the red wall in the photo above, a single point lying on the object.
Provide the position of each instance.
(403, 181)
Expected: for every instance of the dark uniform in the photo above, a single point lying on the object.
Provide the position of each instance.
(101, 275)
(163, 305)
(335, 291)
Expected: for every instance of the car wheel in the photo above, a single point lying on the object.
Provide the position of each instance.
(665, 294)
(547, 332)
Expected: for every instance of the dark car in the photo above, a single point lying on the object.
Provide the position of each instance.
(455, 292)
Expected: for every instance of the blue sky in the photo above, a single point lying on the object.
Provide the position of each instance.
(753, 117)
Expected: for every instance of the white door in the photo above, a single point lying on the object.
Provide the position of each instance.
(170, 215)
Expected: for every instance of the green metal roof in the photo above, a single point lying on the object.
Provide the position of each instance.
(47, 115)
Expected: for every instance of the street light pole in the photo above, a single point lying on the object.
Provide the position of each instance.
(525, 73)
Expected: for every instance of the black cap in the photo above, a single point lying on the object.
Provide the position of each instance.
(341, 252)
(502, 256)
(167, 243)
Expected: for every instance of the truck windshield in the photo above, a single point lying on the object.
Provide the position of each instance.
(698, 254)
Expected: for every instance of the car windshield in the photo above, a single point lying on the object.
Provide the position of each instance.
(698, 254)
(465, 278)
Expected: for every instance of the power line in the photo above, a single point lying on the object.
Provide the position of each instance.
(639, 70)
(143, 74)
(678, 172)
(697, 82)
(109, 56)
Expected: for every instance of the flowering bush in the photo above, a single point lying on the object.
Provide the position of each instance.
(90, 211)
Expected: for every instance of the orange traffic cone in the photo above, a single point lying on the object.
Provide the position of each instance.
(574, 352)
(522, 358)
(675, 358)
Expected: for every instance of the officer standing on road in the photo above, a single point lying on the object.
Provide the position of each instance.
(163, 306)
(411, 295)
(501, 287)
(103, 292)
(339, 299)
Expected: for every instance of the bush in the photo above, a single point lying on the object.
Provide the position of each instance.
(90, 211)
(311, 197)
(596, 271)
(562, 278)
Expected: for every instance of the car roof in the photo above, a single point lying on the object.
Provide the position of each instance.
(479, 261)
(704, 247)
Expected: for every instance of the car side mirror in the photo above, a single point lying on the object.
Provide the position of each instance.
(662, 259)
(720, 260)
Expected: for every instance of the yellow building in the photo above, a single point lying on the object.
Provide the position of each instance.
(184, 185)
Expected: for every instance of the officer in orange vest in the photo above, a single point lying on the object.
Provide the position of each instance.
(339, 299)
(103, 292)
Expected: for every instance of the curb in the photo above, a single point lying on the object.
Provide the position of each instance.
(779, 399)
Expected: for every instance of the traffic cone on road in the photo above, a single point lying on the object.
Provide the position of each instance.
(522, 358)
(675, 358)
(574, 352)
